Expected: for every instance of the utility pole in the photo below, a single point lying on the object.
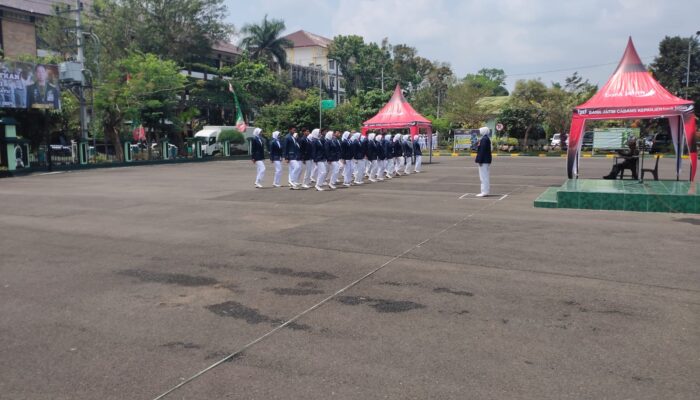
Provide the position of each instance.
(320, 96)
(81, 60)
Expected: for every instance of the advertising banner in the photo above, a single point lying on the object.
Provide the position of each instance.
(464, 139)
(26, 85)
(612, 138)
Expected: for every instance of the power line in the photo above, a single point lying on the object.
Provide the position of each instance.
(569, 69)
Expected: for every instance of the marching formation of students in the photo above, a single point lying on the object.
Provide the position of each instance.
(330, 159)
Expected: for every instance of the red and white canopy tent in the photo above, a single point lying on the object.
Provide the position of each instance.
(632, 93)
(397, 113)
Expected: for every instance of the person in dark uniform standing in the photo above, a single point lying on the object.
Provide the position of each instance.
(483, 158)
(398, 155)
(318, 154)
(276, 158)
(407, 154)
(389, 151)
(418, 154)
(359, 157)
(347, 155)
(381, 158)
(372, 156)
(292, 153)
(258, 155)
(332, 147)
(305, 144)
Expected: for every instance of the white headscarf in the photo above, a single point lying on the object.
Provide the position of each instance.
(355, 136)
(484, 131)
(371, 136)
(387, 136)
(345, 135)
(256, 132)
(379, 138)
(405, 138)
(314, 133)
(329, 135)
(275, 134)
(397, 138)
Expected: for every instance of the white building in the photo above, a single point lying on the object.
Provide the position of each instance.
(307, 57)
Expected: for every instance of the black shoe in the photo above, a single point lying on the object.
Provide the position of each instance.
(610, 177)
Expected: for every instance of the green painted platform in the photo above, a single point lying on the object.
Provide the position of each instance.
(623, 195)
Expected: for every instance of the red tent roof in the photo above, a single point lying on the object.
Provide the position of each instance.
(397, 113)
(631, 85)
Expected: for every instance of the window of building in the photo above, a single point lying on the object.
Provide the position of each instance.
(331, 65)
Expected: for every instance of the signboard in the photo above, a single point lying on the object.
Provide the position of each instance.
(27, 85)
(327, 104)
(463, 139)
(612, 138)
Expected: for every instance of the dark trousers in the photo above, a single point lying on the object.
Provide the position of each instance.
(630, 164)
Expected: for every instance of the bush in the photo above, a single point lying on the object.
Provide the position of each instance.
(232, 135)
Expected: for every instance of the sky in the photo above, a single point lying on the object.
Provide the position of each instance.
(528, 39)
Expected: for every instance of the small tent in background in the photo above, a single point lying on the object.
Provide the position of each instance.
(397, 113)
(632, 93)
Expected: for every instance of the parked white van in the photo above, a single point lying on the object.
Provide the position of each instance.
(210, 139)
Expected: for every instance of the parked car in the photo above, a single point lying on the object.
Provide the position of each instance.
(556, 140)
(659, 142)
(587, 139)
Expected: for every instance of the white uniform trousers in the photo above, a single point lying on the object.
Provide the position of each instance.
(407, 169)
(359, 171)
(314, 170)
(260, 167)
(335, 168)
(295, 170)
(484, 178)
(321, 173)
(347, 172)
(309, 164)
(390, 167)
(373, 166)
(419, 162)
(398, 164)
(278, 172)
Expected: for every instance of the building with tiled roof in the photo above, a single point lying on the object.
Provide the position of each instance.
(308, 54)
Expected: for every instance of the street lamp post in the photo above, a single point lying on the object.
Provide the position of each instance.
(687, 73)
(320, 96)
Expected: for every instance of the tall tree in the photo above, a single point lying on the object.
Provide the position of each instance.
(670, 66)
(529, 97)
(264, 42)
(142, 87)
(491, 79)
(180, 30)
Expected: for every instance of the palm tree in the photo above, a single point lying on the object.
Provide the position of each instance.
(264, 41)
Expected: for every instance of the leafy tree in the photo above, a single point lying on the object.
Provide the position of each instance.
(670, 66)
(490, 79)
(264, 42)
(141, 87)
(461, 104)
(180, 30)
(528, 98)
(360, 63)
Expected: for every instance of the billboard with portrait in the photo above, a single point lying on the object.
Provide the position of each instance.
(27, 85)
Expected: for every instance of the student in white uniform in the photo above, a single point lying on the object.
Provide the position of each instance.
(257, 156)
(276, 158)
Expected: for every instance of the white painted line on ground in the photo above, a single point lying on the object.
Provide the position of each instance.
(322, 302)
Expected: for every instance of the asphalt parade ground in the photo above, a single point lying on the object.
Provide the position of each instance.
(124, 283)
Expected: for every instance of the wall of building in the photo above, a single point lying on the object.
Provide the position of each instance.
(18, 38)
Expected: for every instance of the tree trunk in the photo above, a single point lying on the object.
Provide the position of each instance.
(118, 151)
(527, 133)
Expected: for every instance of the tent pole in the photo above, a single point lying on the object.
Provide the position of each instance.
(679, 151)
